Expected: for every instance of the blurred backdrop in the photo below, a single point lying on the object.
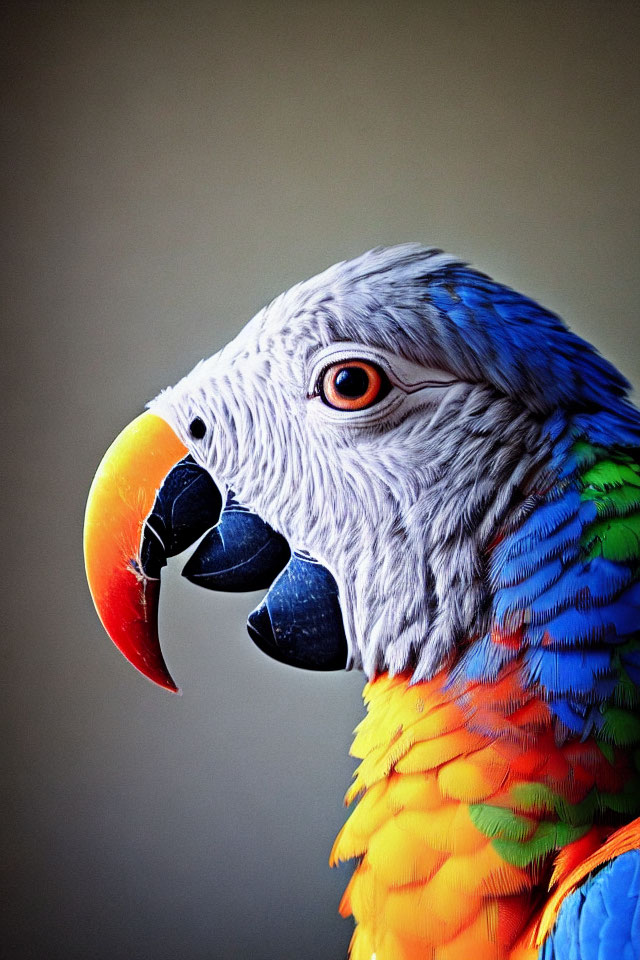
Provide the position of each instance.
(170, 168)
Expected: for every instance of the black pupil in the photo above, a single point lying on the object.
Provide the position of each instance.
(197, 428)
(352, 382)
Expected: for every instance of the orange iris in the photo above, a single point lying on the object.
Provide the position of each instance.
(361, 392)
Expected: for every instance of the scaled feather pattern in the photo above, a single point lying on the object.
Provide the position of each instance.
(481, 524)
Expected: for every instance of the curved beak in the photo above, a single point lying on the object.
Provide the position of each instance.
(149, 501)
(121, 498)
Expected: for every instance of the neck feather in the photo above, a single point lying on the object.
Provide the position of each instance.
(466, 796)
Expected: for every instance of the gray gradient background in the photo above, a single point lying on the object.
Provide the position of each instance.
(171, 167)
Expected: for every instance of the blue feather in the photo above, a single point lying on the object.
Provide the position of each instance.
(520, 595)
(549, 520)
(574, 626)
(619, 427)
(633, 673)
(473, 297)
(591, 919)
(566, 940)
(586, 586)
(573, 715)
(569, 671)
(601, 919)
(562, 594)
(563, 544)
(565, 370)
(631, 657)
(440, 296)
(483, 660)
(607, 578)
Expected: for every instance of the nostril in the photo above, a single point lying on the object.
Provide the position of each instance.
(197, 428)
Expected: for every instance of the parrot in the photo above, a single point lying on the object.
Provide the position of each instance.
(435, 482)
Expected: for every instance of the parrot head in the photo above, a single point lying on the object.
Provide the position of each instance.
(356, 451)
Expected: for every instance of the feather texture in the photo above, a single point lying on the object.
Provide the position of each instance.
(482, 524)
(594, 913)
(465, 798)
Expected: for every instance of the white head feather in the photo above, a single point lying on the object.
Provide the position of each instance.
(398, 501)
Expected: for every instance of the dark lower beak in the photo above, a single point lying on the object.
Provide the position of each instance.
(150, 501)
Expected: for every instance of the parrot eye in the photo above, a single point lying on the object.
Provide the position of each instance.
(197, 428)
(352, 385)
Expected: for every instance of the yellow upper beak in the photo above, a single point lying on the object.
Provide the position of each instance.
(121, 497)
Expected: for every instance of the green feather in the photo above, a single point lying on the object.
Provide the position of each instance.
(587, 454)
(617, 502)
(627, 801)
(620, 727)
(608, 474)
(578, 814)
(548, 837)
(613, 484)
(615, 539)
(499, 822)
(537, 798)
(533, 798)
(607, 750)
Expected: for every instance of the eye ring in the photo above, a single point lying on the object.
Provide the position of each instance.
(352, 385)
(197, 428)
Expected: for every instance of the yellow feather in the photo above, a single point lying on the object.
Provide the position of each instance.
(397, 859)
(426, 871)
(415, 913)
(365, 818)
(432, 753)
(413, 791)
(475, 942)
(379, 728)
(361, 946)
(481, 872)
(372, 769)
(524, 952)
(366, 895)
(446, 829)
(443, 719)
(344, 907)
(396, 947)
(397, 711)
(474, 778)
